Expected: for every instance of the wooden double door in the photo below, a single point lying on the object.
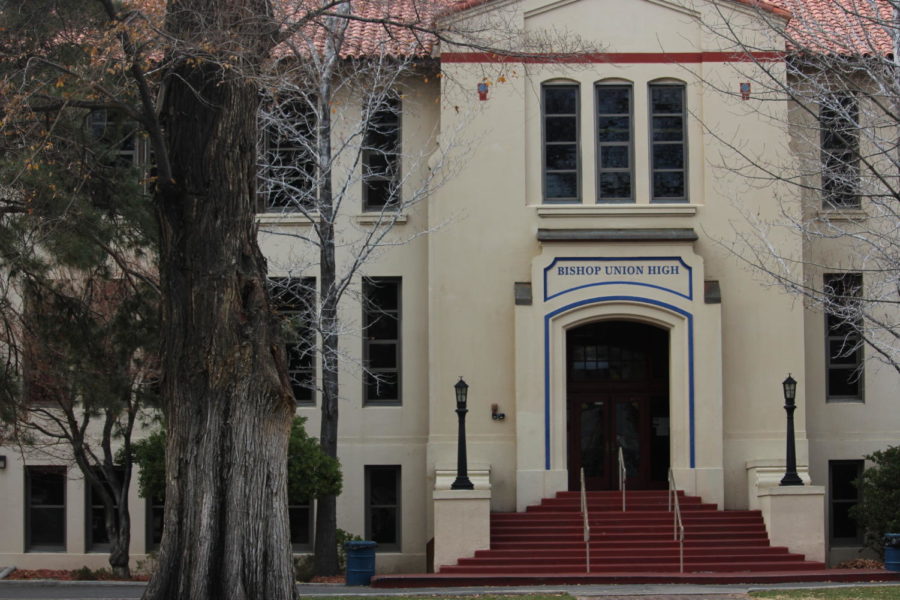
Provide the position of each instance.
(617, 378)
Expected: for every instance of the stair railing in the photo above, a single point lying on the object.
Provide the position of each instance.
(677, 524)
(587, 525)
(622, 475)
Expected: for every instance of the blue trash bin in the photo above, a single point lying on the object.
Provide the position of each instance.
(892, 551)
(360, 562)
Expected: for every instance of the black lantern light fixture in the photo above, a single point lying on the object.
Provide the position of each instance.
(790, 394)
(462, 481)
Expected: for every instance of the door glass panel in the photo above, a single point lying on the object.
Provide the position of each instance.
(628, 421)
(593, 439)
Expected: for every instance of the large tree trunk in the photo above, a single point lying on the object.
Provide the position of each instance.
(226, 398)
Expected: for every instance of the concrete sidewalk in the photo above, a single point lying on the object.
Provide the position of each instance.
(112, 590)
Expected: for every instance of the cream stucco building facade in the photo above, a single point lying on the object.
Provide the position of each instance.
(578, 273)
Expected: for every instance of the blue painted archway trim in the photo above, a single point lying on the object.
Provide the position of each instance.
(602, 300)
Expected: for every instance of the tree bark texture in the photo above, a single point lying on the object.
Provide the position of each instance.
(226, 397)
(326, 556)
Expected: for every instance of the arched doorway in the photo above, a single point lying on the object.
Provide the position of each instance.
(617, 375)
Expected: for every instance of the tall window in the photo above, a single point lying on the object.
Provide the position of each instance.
(97, 537)
(614, 143)
(45, 499)
(383, 506)
(381, 158)
(117, 137)
(288, 173)
(381, 335)
(156, 510)
(668, 143)
(300, 520)
(842, 496)
(295, 300)
(560, 124)
(839, 122)
(842, 337)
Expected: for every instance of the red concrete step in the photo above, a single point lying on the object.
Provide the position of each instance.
(602, 551)
(622, 527)
(640, 567)
(612, 507)
(546, 539)
(526, 536)
(661, 513)
(553, 545)
(614, 551)
(627, 559)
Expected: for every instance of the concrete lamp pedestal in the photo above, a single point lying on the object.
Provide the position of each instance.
(795, 518)
(462, 524)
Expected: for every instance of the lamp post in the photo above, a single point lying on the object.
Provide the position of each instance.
(462, 481)
(790, 393)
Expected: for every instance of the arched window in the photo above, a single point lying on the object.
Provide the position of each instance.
(668, 142)
(559, 111)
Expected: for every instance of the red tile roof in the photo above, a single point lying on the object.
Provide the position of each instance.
(849, 27)
(402, 27)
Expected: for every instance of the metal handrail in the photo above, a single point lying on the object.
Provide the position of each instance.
(587, 525)
(677, 524)
(622, 475)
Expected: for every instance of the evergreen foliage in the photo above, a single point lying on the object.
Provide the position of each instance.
(311, 472)
(878, 511)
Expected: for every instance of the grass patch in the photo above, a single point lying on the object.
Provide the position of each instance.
(880, 592)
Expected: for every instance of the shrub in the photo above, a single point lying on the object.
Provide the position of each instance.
(305, 566)
(878, 511)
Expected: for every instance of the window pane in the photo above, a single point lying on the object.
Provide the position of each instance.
(378, 193)
(299, 517)
(157, 512)
(382, 294)
(839, 353)
(668, 129)
(843, 474)
(384, 525)
(48, 526)
(843, 382)
(613, 100)
(668, 185)
(842, 525)
(383, 388)
(561, 157)
(666, 99)
(614, 157)
(98, 527)
(668, 156)
(561, 185)
(613, 129)
(561, 129)
(382, 326)
(560, 100)
(47, 488)
(383, 355)
(615, 185)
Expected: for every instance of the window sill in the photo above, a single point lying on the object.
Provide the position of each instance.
(283, 218)
(559, 211)
(377, 218)
(842, 214)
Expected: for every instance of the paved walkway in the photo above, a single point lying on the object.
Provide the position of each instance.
(91, 590)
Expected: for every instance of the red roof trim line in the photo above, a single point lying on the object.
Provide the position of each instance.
(766, 6)
(615, 57)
